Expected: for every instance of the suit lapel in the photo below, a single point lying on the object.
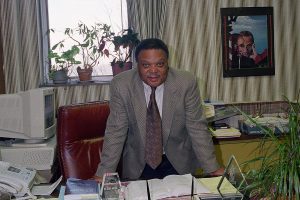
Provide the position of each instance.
(169, 105)
(139, 105)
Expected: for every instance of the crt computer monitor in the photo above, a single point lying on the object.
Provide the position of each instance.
(28, 115)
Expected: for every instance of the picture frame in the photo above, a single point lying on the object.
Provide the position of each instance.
(247, 41)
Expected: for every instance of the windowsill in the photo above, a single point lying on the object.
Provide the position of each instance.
(96, 80)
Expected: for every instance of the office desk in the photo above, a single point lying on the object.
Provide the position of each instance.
(243, 148)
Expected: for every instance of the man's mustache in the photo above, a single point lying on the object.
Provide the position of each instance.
(153, 75)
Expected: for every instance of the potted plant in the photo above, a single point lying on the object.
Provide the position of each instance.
(58, 71)
(278, 176)
(124, 45)
(90, 42)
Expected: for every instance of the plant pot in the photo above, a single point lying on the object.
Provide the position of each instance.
(60, 77)
(119, 67)
(85, 74)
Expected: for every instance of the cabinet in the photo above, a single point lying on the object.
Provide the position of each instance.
(243, 148)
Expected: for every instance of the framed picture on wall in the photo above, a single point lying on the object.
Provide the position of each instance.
(247, 41)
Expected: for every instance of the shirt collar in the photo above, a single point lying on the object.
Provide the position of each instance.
(148, 88)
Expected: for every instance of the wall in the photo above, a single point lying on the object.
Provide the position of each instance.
(193, 32)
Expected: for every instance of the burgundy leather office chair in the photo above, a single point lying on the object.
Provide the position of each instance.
(80, 133)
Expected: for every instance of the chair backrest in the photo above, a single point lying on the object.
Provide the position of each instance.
(80, 134)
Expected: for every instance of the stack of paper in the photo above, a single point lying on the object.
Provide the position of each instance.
(225, 132)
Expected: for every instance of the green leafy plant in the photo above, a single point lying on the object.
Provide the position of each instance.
(279, 171)
(123, 46)
(88, 44)
(62, 61)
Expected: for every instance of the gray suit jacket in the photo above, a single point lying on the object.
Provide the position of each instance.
(187, 143)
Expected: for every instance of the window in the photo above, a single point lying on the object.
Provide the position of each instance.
(68, 13)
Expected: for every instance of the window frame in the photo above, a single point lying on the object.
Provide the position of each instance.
(43, 19)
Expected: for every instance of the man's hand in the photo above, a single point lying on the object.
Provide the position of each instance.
(254, 53)
(218, 172)
(97, 178)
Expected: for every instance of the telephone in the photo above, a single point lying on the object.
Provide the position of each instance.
(16, 180)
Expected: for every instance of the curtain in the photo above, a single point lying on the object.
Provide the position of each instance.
(2, 81)
(147, 17)
(21, 56)
(21, 27)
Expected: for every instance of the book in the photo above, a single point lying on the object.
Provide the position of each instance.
(136, 190)
(78, 189)
(170, 186)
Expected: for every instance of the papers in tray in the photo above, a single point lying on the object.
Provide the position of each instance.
(225, 132)
(227, 186)
(227, 189)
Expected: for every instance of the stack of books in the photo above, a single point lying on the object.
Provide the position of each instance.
(181, 187)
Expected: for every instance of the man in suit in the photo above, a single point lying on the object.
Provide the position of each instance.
(246, 55)
(186, 143)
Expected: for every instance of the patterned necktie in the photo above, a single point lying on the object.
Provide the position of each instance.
(154, 150)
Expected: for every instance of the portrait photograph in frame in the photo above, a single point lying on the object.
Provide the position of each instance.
(247, 41)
